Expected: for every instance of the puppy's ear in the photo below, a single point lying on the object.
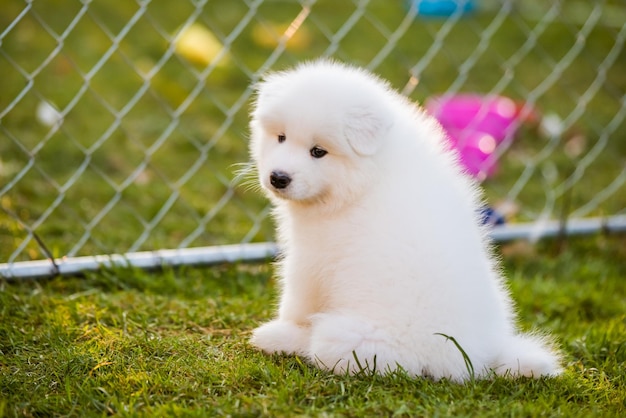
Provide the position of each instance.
(364, 129)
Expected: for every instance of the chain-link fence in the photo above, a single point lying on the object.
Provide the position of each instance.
(121, 121)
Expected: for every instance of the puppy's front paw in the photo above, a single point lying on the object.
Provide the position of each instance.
(281, 337)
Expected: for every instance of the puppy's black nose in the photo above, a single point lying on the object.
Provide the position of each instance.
(279, 180)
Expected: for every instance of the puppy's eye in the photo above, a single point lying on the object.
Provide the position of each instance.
(281, 138)
(317, 152)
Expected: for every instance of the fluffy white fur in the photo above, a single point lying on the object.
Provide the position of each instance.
(382, 251)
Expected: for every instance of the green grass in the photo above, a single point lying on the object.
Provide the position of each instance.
(129, 343)
(174, 137)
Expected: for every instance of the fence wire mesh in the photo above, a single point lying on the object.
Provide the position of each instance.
(120, 121)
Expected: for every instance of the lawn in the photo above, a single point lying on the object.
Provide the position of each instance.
(130, 343)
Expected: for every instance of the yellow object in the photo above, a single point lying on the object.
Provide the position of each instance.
(269, 35)
(198, 44)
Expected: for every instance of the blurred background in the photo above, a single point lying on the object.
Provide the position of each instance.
(121, 122)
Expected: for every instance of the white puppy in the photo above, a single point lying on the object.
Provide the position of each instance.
(383, 257)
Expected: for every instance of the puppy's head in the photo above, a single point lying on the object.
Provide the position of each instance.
(315, 131)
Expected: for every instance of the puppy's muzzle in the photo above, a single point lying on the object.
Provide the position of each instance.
(279, 179)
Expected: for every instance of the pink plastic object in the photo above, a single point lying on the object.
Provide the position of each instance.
(476, 125)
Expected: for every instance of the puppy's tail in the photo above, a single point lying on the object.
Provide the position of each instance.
(528, 355)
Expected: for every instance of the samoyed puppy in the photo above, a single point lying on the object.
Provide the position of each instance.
(384, 263)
